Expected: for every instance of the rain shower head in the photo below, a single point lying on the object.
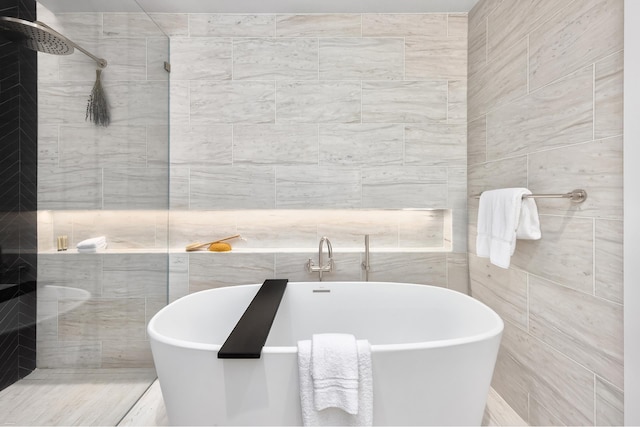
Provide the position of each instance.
(40, 37)
(34, 36)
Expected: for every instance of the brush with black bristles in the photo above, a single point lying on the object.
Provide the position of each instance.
(97, 106)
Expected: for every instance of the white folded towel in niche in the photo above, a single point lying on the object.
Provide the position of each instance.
(503, 216)
(316, 392)
(94, 244)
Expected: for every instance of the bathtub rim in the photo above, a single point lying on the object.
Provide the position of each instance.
(496, 331)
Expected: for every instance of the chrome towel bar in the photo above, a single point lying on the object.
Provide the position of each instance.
(576, 196)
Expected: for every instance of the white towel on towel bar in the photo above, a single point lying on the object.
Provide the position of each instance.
(503, 216)
(332, 414)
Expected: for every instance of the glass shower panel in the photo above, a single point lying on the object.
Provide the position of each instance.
(94, 181)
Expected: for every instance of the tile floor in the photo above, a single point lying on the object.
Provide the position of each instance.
(123, 397)
(73, 396)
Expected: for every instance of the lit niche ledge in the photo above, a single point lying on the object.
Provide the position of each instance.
(262, 231)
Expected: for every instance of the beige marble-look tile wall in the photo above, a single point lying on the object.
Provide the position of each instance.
(318, 111)
(545, 112)
(287, 127)
(93, 308)
(123, 166)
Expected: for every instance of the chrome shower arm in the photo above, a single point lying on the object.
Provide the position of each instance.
(102, 63)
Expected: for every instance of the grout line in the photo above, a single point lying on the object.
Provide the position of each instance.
(528, 304)
(595, 399)
(404, 145)
(275, 102)
(593, 259)
(143, 394)
(593, 106)
(447, 15)
(528, 65)
(486, 43)
(361, 95)
(486, 138)
(404, 58)
(501, 106)
(446, 270)
(188, 100)
(275, 25)
(188, 188)
(102, 185)
(448, 100)
(318, 144)
(515, 156)
(232, 143)
(526, 167)
(564, 286)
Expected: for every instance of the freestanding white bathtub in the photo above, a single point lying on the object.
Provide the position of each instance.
(433, 353)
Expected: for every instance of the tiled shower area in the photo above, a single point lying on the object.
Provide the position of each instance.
(286, 127)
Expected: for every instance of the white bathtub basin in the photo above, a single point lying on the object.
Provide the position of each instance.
(433, 353)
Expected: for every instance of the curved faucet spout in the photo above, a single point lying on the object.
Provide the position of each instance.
(329, 249)
(322, 268)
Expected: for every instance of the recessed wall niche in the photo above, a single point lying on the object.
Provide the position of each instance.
(262, 230)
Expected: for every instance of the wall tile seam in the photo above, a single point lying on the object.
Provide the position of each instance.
(528, 313)
(275, 26)
(528, 64)
(321, 37)
(595, 399)
(607, 57)
(608, 383)
(560, 147)
(593, 106)
(572, 214)
(556, 418)
(552, 349)
(289, 80)
(533, 29)
(286, 14)
(595, 261)
(596, 297)
(501, 105)
(565, 76)
(485, 59)
(488, 162)
(487, 14)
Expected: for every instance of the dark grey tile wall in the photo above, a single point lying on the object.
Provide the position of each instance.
(18, 201)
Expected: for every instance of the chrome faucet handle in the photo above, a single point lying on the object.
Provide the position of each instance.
(331, 265)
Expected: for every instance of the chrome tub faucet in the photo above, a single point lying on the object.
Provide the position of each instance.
(322, 268)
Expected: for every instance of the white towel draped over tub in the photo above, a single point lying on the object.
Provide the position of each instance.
(503, 216)
(336, 384)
